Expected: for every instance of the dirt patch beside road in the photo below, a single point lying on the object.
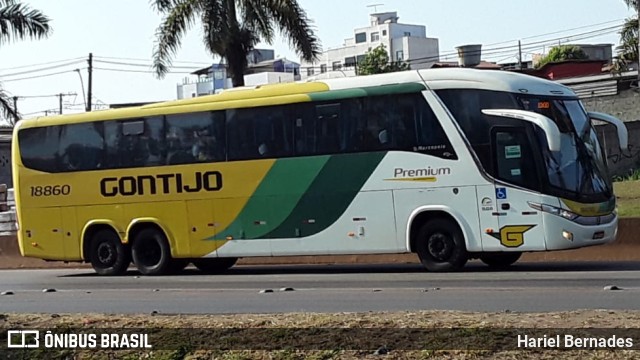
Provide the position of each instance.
(396, 331)
(625, 248)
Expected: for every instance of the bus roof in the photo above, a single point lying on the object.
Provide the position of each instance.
(496, 80)
(277, 94)
(459, 78)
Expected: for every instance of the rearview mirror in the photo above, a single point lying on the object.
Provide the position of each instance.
(547, 125)
(623, 135)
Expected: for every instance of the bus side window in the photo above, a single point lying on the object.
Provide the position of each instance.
(378, 134)
(353, 121)
(153, 140)
(259, 133)
(404, 129)
(431, 138)
(328, 134)
(39, 148)
(304, 130)
(273, 132)
(195, 137)
(239, 137)
(131, 148)
(81, 147)
(135, 142)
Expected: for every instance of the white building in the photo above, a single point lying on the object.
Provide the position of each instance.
(403, 42)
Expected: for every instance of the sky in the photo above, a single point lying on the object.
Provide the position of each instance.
(123, 31)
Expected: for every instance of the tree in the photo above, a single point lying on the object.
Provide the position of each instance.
(232, 28)
(377, 61)
(18, 22)
(561, 53)
(628, 48)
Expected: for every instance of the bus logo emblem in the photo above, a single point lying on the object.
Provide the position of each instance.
(512, 236)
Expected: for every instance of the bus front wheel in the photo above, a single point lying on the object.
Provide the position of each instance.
(214, 265)
(440, 245)
(107, 254)
(151, 253)
(500, 260)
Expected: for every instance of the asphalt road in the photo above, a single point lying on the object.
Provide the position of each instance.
(529, 287)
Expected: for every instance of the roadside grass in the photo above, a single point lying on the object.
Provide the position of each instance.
(628, 197)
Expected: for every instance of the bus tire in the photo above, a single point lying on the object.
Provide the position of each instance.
(440, 246)
(151, 252)
(500, 260)
(107, 254)
(214, 265)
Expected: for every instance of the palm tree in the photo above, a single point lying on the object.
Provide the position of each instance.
(232, 28)
(628, 48)
(19, 22)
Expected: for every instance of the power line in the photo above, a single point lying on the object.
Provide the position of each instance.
(139, 59)
(41, 69)
(41, 111)
(145, 65)
(39, 64)
(43, 96)
(552, 43)
(530, 46)
(141, 71)
(579, 36)
(557, 32)
(39, 76)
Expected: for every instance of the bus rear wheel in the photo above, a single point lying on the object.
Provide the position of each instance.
(500, 260)
(214, 265)
(151, 253)
(107, 254)
(440, 245)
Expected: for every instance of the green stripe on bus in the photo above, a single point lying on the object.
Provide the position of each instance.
(328, 197)
(395, 89)
(275, 198)
(337, 94)
(367, 91)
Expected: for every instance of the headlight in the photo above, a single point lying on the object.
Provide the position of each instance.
(554, 210)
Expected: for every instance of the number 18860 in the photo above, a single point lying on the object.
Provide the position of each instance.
(50, 190)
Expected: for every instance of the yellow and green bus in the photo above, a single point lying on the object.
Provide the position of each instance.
(451, 164)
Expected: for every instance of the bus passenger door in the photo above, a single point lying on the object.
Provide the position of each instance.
(42, 233)
(520, 226)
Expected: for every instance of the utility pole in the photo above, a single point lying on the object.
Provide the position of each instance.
(15, 109)
(519, 55)
(61, 95)
(90, 70)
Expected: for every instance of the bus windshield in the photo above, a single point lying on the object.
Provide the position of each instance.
(579, 167)
(577, 172)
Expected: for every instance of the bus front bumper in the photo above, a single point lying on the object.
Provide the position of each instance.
(565, 234)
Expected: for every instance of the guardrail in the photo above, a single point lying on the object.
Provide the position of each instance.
(7, 212)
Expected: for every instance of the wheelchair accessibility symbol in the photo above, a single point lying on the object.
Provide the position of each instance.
(501, 193)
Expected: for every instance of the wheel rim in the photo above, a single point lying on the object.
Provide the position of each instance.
(440, 246)
(149, 252)
(106, 254)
